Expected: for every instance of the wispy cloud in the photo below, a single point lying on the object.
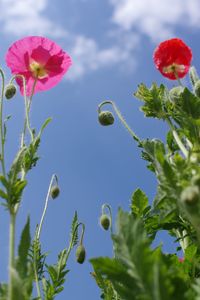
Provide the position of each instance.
(155, 18)
(129, 21)
(88, 56)
(27, 17)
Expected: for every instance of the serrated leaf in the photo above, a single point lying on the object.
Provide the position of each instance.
(23, 250)
(44, 125)
(153, 99)
(74, 231)
(139, 203)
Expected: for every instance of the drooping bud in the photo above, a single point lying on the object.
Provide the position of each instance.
(10, 91)
(105, 222)
(175, 93)
(80, 254)
(106, 118)
(197, 88)
(190, 196)
(55, 191)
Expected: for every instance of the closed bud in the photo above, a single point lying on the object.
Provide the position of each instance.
(175, 93)
(55, 191)
(190, 196)
(105, 221)
(10, 91)
(80, 254)
(106, 118)
(197, 88)
(193, 75)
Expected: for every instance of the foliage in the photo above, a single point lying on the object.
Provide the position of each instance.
(138, 269)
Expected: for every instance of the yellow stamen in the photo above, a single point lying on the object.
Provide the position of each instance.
(174, 68)
(38, 70)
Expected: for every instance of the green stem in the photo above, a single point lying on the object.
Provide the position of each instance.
(177, 138)
(27, 119)
(117, 111)
(71, 244)
(83, 231)
(1, 124)
(36, 276)
(177, 78)
(11, 255)
(54, 177)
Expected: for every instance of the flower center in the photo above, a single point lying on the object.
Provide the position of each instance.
(38, 70)
(174, 68)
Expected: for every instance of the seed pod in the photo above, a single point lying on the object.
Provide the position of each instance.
(55, 191)
(10, 91)
(197, 88)
(190, 196)
(175, 93)
(106, 118)
(105, 222)
(80, 254)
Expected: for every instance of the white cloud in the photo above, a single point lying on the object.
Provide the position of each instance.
(87, 56)
(155, 18)
(26, 17)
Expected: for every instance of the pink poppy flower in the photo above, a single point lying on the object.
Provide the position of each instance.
(173, 58)
(37, 58)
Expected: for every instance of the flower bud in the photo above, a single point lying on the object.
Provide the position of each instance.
(10, 91)
(193, 75)
(106, 118)
(197, 88)
(80, 254)
(190, 196)
(55, 191)
(175, 93)
(105, 221)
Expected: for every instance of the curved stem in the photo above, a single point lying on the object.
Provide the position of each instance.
(46, 205)
(11, 254)
(117, 111)
(177, 138)
(82, 233)
(1, 124)
(110, 213)
(27, 119)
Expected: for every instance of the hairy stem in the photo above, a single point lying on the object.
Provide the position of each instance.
(11, 255)
(118, 113)
(177, 138)
(1, 124)
(45, 206)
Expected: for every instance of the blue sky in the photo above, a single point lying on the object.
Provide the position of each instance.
(111, 44)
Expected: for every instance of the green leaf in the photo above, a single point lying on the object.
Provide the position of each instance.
(74, 231)
(47, 121)
(139, 203)
(138, 271)
(23, 250)
(153, 99)
(3, 195)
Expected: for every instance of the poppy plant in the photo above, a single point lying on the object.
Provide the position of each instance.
(41, 61)
(173, 58)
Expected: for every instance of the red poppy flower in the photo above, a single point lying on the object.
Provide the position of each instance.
(37, 59)
(173, 58)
